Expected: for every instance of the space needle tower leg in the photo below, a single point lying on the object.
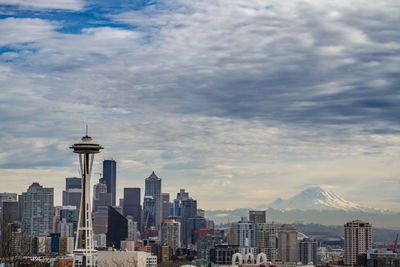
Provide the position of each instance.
(84, 253)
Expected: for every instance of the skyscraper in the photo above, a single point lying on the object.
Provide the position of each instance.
(244, 233)
(188, 210)
(117, 229)
(10, 214)
(171, 234)
(357, 240)
(149, 211)
(266, 239)
(132, 205)
(37, 210)
(101, 197)
(287, 242)
(110, 178)
(72, 193)
(307, 251)
(153, 189)
(166, 205)
(257, 216)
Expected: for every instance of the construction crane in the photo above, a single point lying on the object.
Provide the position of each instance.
(393, 245)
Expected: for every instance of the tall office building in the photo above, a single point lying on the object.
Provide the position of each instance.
(175, 210)
(307, 252)
(149, 212)
(100, 220)
(257, 216)
(70, 214)
(166, 206)
(153, 189)
(287, 242)
(357, 240)
(243, 233)
(101, 197)
(132, 205)
(110, 178)
(266, 239)
(117, 229)
(10, 214)
(37, 210)
(132, 229)
(171, 234)
(188, 210)
(72, 193)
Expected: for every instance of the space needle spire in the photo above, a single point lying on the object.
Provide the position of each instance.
(84, 253)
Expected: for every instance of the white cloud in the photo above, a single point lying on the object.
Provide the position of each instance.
(46, 4)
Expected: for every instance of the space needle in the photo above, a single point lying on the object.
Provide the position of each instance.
(84, 253)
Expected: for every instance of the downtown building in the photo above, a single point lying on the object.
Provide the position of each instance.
(152, 205)
(171, 234)
(357, 240)
(307, 252)
(110, 178)
(266, 240)
(131, 205)
(72, 193)
(287, 243)
(243, 233)
(37, 210)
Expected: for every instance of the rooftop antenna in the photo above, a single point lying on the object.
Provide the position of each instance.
(87, 130)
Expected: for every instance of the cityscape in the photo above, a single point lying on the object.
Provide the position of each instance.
(97, 229)
(203, 133)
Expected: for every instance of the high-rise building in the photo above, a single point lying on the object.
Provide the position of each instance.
(307, 252)
(70, 214)
(110, 178)
(287, 242)
(175, 210)
(72, 193)
(132, 229)
(266, 239)
(171, 234)
(100, 220)
(117, 229)
(243, 233)
(101, 196)
(166, 206)
(357, 240)
(149, 212)
(37, 210)
(188, 210)
(257, 216)
(10, 214)
(132, 205)
(153, 189)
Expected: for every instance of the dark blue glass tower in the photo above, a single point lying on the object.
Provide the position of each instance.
(110, 177)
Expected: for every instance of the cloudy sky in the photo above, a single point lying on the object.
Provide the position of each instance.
(239, 102)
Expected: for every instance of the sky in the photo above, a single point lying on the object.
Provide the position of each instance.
(239, 102)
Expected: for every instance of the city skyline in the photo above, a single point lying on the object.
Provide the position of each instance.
(217, 97)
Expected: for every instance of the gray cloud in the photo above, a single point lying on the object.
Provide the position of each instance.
(219, 96)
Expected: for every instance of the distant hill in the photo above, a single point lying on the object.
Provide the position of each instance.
(314, 205)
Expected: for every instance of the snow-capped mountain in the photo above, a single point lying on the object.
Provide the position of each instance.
(316, 198)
